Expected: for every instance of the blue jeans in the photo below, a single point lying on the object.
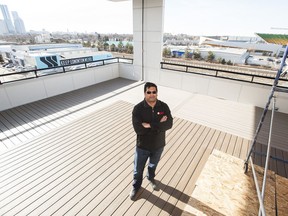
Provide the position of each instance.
(141, 157)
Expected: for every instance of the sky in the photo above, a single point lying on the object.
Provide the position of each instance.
(193, 17)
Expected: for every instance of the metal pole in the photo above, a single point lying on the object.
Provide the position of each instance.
(266, 108)
(268, 154)
(142, 60)
(262, 208)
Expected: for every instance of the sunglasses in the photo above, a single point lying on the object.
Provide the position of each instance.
(151, 92)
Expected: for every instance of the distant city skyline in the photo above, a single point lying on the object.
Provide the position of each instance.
(197, 17)
(7, 26)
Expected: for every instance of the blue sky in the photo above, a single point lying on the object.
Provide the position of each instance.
(226, 17)
(194, 17)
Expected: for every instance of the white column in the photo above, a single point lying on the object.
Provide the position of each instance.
(148, 19)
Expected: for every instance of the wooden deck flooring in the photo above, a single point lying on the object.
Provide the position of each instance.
(84, 166)
(20, 124)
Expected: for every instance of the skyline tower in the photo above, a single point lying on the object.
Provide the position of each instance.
(3, 27)
(7, 19)
(18, 23)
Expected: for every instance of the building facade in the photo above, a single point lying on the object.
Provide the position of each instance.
(18, 23)
(7, 19)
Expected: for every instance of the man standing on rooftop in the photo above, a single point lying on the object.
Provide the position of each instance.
(151, 118)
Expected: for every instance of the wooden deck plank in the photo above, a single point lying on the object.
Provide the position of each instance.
(263, 154)
(225, 143)
(272, 163)
(35, 124)
(63, 108)
(179, 190)
(245, 149)
(56, 167)
(32, 159)
(122, 203)
(35, 119)
(20, 125)
(62, 172)
(279, 163)
(43, 113)
(7, 126)
(145, 204)
(84, 161)
(57, 112)
(195, 172)
(220, 141)
(22, 153)
(232, 144)
(181, 195)
(214, 140)
(285, 156)
(257, 157)
(242, 122)
(8, 135)
(238, 146)
(146, 192)
(108, 176)
(171, 138)
(6, 143)
(117, 184)
(23, 121)
(14, 156)
(169, 182)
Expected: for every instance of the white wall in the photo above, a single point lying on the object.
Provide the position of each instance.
(26, 91)
(242, 92)
(128, 71)
(152, 38)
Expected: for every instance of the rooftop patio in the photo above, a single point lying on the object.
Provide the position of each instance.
(73, 153)
(67, 141)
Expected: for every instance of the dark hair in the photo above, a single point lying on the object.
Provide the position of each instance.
(149, 85)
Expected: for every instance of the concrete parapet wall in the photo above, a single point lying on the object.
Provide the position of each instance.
(241, 92)
(26, 91)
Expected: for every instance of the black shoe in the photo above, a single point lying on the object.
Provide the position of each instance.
(153, 184)
(133, 194)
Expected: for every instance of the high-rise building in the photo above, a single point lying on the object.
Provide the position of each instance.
(7, 19)
(18, 23)
(3, 27)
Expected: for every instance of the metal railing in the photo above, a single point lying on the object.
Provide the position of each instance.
(32, 74)
(263, 78)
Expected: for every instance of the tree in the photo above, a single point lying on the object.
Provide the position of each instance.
(106, 46)
(166, 52)
(100, 45)
(210, 57)
(113, 48)
(129, 48)
(197, 54)
(187, 53)
(99, 38)
(120, 46)
(106, 38)
(87, 44)
(1, 58)
(223, 61)
(229, 62)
